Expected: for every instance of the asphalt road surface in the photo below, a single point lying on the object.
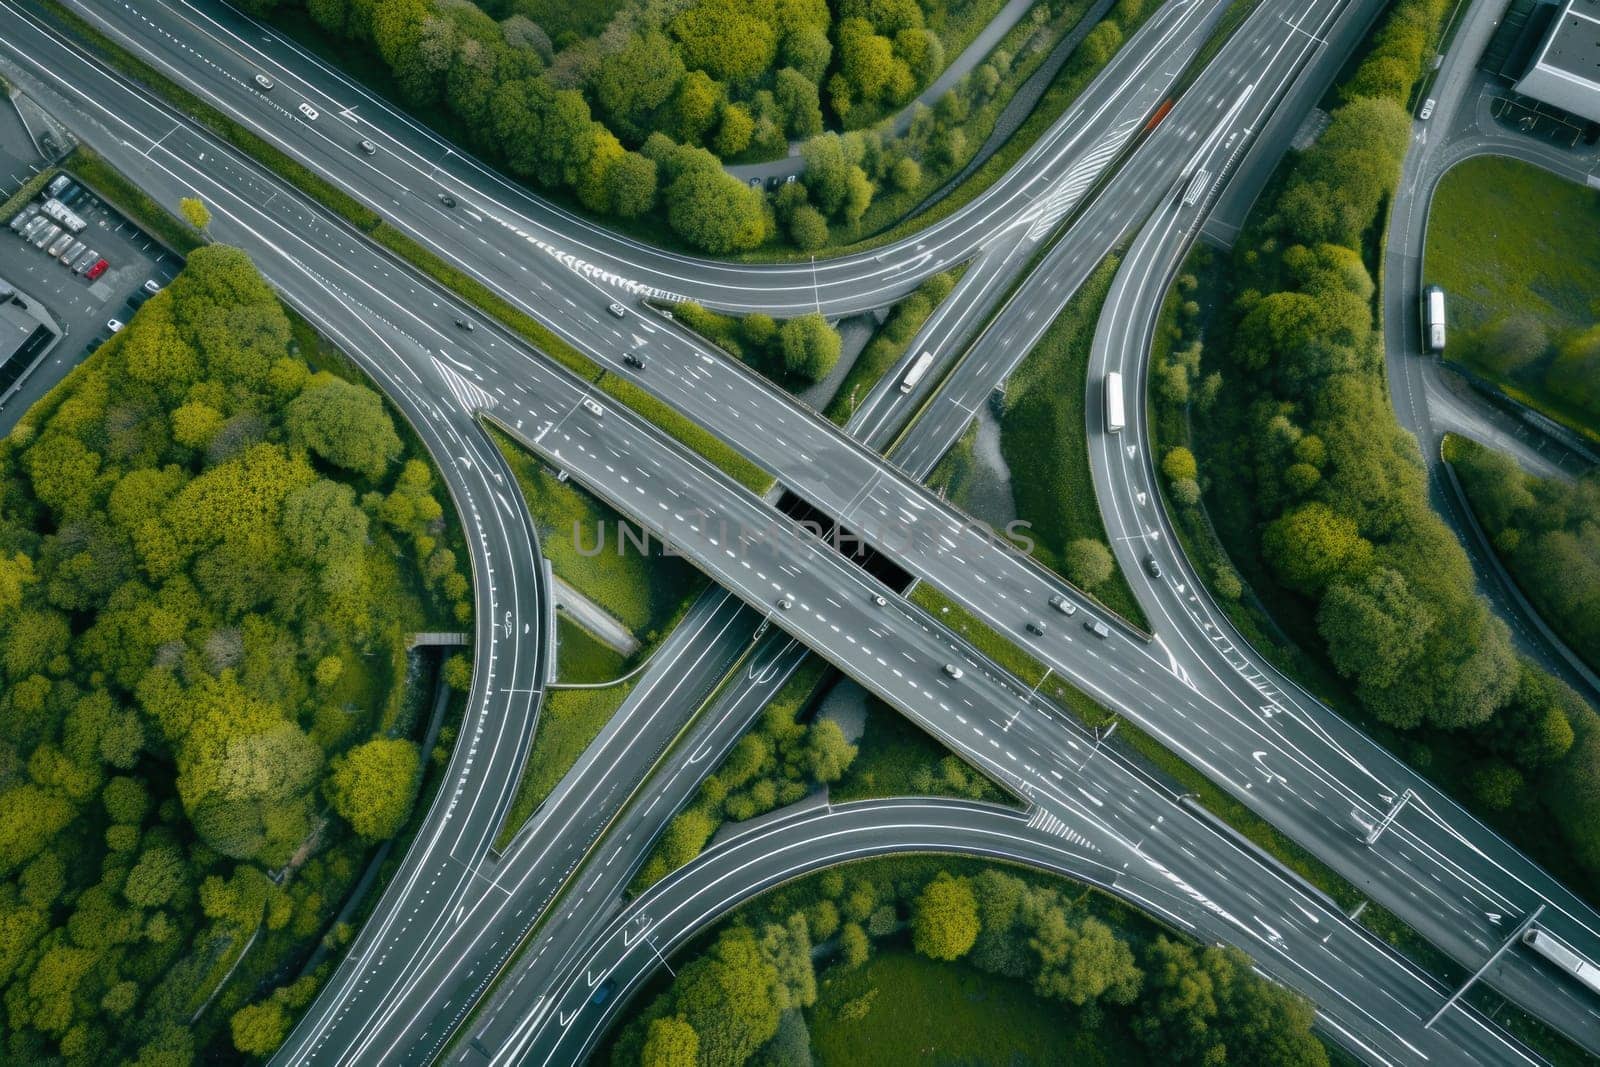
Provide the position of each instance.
(490, 373)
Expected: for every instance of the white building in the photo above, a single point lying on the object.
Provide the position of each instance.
(1566, 69)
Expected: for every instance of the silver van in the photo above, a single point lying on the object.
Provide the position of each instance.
(23, 217)
(74, 250)
(59, 245)
(85, 261)
(34, 227)
(45, 236)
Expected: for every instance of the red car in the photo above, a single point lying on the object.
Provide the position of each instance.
(98, 269)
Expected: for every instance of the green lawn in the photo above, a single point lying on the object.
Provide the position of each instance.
(568, 720)
(584, 659)
(1508, 239)
(1042, 434)
(919, 1010)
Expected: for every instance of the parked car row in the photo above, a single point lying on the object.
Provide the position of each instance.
(52, 227)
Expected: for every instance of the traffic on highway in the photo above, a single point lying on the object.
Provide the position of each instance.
(527, 953)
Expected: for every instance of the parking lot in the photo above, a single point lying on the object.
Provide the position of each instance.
(82, 307)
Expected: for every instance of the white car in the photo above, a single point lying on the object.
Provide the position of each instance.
(114, 325)
(592, 407)
(152, 287)
(308, 111)
(1427, 109)
(617, 309)
(263, 82)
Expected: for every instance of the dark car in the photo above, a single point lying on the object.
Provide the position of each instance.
(773, 183)
(1036, 627)
(1152, 567)
(634, 360)
(447, 200)
(603, 994)
(466, 324)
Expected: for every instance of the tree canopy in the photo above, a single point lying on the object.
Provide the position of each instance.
(191, 526)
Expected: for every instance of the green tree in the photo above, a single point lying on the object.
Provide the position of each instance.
(1083, 962)
(371, 786)
(853, 945)
(734, 131)
(810, 346)
(633, 82)
(159, 875)
(1088, 562)
(322, 524)
(1312, 544)
(1179, 464)
(807, 228)
(727, 38)
(345, 424)
(695, 105)
(797, 98)
(715, 211)
(29, 818)
(258, 1029)
(632, 182)
(195, 212)
(1178, 1012)
(730, 997)
(828, 754)
(906, 174)
(1495, 785)
(944, 919)
(670, 1042)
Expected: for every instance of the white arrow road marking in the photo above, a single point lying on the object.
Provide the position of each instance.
(1268, 771)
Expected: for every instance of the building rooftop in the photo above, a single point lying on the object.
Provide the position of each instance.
(1566, 70)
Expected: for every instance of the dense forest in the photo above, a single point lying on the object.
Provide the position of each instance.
(1336, 491)
(743, 997)
(632, 109)
(1548, 533)
(210, 555)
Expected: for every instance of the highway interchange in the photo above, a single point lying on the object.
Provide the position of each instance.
(1443, 872)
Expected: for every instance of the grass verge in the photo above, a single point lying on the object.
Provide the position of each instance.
(1042, 433)
(646, 593)
(569, 719)
(132, 201)
(27, 192)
